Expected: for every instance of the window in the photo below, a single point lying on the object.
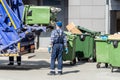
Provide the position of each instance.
(51, 2)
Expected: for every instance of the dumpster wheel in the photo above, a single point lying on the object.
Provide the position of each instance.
(78, 59)
(73, 62)
(98, 65)
(90, 60)
(106, 65)
(111, 68)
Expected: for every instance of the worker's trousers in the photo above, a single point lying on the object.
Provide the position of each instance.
(57, 51)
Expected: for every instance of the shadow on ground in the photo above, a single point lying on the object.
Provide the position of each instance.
(67, 64)
(26, 65)
(68, 72)
(39, 64)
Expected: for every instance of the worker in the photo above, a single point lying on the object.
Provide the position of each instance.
(58, 44)
(11, 60)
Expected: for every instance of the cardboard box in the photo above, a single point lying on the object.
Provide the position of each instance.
(114, 37)
(72, 28)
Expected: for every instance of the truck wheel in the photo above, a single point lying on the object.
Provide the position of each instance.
(31, 50)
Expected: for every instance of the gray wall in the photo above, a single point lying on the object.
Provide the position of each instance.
(88, 13)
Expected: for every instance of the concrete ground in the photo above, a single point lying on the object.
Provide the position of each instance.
(36, 68)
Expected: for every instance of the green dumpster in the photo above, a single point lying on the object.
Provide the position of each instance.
(71, 47)
(102, 52)
(37, 14)
(40, 15)
(84, 47)
(114, 54)
(85, 44)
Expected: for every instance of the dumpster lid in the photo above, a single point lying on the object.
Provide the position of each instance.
(88, 31)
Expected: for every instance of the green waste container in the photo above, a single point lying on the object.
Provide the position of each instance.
(114, 54)
(85, 44)
(71, 48)
(102, 52)
(84, 47)
(84, 30)
(37, 14)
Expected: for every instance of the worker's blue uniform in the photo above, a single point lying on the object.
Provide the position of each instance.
(58, 41)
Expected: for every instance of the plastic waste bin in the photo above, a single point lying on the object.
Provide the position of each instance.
(114, 54)
(85, 44)
(84, 47)
(102, 52)
(71, 42)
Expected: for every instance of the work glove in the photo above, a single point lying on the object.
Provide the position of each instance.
(66, 50)
(49, 49)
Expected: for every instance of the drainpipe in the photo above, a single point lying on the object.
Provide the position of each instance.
(107, 20)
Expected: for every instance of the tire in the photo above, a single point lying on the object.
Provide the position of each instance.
(31, 50)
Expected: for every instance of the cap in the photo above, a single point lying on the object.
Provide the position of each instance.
(59, 24)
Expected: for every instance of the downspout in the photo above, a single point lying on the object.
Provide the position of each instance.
(107, 18)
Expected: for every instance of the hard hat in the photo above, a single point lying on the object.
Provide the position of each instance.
(59, 24)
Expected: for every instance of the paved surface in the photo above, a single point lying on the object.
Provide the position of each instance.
(36, 68)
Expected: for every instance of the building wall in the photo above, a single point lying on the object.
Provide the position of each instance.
(62, 16)
(114, 10)
(114, 4)
(88, 13)
(91, 14)
(31, 2)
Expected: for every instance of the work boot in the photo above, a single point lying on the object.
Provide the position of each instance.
(11, 60)
(11, 64)
(18, 64)
(19, 60)
(51, 73)
(59, 72)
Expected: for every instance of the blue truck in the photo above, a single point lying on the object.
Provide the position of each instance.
(18, 28)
